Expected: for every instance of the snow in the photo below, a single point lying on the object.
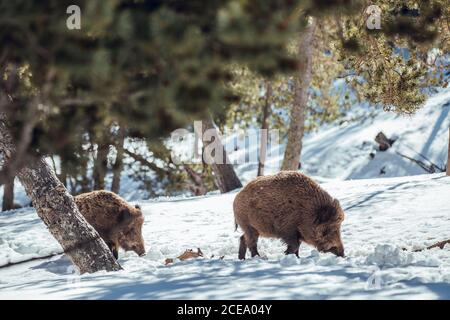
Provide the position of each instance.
(390, 206)
(342, 150)
(383, 217)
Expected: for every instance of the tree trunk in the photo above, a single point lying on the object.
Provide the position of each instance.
(56, 207)
(225, 176)
(384, 142)
(85, 183)
(8, 194)
(118, 164)
(198, 187)
(100, 165)
(448, 157)
(264, 130)
(63, 174)
(296, 129)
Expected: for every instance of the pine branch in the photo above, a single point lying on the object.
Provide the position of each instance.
(145, 162)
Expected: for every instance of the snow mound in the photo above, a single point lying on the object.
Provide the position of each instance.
(290, 260)
(386, 255)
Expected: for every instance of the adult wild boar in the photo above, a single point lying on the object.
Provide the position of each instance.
(289, 206)
(118, 222)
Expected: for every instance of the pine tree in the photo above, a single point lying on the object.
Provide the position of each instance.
(264, 129)
(291, 160)
(154, 65)
(118, 163)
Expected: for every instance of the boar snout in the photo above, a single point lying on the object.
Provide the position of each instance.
(338, 251)
(140, 250)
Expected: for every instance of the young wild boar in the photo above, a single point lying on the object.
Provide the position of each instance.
(118, 223)
(289, 206)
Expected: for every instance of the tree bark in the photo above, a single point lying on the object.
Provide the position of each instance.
(8, 194)
(224, 175)
(85, 183)
(63, 174)
(100, 165)
(448, 157)
(384, 142)
(264, 130)
(118, 164)
(296, 129)
(57, 209)
(198, 187)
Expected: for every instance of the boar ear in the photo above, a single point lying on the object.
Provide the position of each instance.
(339, 213)
(137, 206)
(124, 215)
(325, 214)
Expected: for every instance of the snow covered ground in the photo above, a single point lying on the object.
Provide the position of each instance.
(382, 217)
(398, 208)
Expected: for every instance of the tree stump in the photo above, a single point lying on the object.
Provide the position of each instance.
(384, 142)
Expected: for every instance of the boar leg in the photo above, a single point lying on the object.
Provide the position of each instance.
(293, 244)
(242, 248)
(252, 241)
(112, 246)
(248, 240)
(244, 245)
(115, 252)
(254, 251)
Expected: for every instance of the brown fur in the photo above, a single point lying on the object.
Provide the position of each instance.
(118, 223)
(289, 206)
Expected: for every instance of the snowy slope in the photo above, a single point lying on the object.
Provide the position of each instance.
(382, 216)
(342, 150)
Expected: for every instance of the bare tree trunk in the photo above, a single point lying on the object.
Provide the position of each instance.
(8, 194)
(448, 158)
(85, 185)
(56, 207)
(63, 175)
(100, 165)
(296, 129)
(198, 187)
(118, 164)
(225, 176)
(264, 132)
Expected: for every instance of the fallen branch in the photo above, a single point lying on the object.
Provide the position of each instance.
(439, 245)
(423, 165)
(440, 169)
